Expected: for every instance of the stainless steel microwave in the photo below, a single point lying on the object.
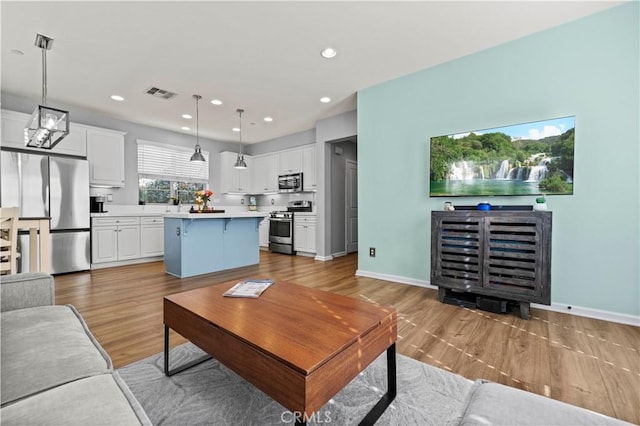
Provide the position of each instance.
(290, 183)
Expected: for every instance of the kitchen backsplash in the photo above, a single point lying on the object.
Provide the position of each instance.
(230, 203)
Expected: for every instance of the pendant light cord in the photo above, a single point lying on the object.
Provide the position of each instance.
(197, 98)
(44, 76)
(240, 111)
(197, 122)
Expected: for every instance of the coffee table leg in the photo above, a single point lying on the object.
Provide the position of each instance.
(176, 370)
(372, 416)
(377, 410)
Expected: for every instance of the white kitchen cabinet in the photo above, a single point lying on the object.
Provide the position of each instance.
(75, 143)
(290, 161)
(114, 239)
(105, 152)
(309, 180)
(232, 180)
(304, 233)
(151, 236)
(264, 233)
(265, 174)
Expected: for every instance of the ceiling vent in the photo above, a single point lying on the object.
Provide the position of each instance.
(159, 93)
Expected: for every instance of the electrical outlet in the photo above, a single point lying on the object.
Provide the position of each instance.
(109, 198)
(372, 252)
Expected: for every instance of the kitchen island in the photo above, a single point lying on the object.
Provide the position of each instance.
(200, 243)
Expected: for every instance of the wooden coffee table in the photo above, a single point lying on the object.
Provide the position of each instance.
(299, 345)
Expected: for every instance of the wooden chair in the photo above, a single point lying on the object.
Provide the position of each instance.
(8, 240)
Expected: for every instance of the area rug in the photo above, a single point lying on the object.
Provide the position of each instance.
(211, 394)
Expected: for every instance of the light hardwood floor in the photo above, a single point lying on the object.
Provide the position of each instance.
(590, 363)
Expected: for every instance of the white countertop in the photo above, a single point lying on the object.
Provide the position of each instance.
(229, 215)
(127, 214)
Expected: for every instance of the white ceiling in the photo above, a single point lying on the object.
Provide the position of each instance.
(261, 56)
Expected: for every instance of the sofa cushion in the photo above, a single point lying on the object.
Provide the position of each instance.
(19, 291)
(495, 404)
(97, 400)
(44, 347)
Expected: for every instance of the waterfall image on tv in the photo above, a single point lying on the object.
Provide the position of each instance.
(523, 159)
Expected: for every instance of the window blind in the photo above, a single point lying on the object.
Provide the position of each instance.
(168, 162)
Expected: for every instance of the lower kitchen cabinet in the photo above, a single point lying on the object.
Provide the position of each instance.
(304, 233)
(264, 233)
(114, 239)
(151, 236)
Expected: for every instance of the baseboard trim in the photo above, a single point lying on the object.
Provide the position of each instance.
(555, 307)
(339, 254)
(323, 258)
(590, 313)
(395, 278)
(126, 262)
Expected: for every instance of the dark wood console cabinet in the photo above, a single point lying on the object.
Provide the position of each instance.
(501, 254)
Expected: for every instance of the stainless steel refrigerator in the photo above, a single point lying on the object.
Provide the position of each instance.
(56, 187)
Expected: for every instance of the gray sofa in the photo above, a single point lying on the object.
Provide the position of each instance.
(53, 370)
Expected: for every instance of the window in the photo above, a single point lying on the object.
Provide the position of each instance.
(165, 173)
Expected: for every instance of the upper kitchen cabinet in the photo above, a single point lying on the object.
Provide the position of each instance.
(105, 152)
(265, 174)
(309, 180)
(75, 143)
(232, 180)
(290, 161)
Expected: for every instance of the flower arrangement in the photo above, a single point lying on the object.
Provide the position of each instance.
(203, 198)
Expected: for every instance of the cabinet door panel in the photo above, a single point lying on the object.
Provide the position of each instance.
(311, 238)
(128, 242)
(290, 161)
(105, 152)
(309, 169)
(152, 240)
(104, 244)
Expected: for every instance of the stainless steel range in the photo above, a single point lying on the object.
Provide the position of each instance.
(281, 227)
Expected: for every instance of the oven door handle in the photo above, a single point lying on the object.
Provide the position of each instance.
(280, 220)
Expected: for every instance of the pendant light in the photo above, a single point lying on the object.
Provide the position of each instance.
(197, 155)
(240, 163)
(47, 126)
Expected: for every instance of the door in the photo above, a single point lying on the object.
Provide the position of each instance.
(351, 206)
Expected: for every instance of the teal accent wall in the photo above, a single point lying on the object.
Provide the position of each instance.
(588, 68)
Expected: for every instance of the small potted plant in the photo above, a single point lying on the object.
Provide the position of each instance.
(541, 204)
(175, 201)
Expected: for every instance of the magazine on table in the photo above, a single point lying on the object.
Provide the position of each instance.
(248, 288)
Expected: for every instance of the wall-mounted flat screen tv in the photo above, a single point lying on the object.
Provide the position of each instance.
(523, 159)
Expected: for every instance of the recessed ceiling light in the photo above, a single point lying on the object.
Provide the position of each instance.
(325, 99)
(329, 52)
(216, 101)
(185, 128)
(117, 98)
(268, 119)
(17, 52)
(187, 116)
(236, 129)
